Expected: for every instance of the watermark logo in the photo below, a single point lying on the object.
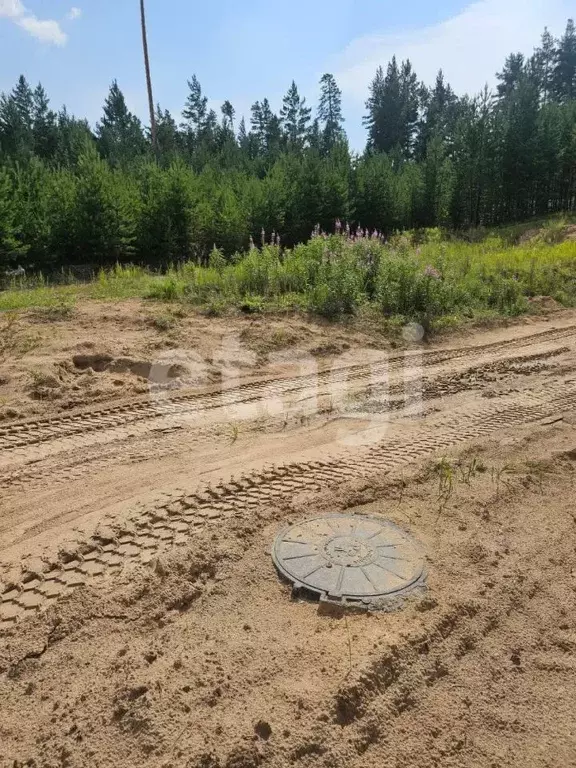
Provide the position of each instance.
(358, 392)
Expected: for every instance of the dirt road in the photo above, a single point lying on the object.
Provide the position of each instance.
(142, 622)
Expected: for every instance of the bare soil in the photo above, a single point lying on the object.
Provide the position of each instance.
(142, 622)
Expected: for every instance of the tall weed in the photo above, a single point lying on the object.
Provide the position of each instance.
(423, 276)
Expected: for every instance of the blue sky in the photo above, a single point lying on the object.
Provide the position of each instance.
(246, 50)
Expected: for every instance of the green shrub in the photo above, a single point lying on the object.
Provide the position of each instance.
(406, 288)
(337, 275)
(339, 283)
(166, 289)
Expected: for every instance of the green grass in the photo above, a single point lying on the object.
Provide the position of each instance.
(429, 277)
(120, 282)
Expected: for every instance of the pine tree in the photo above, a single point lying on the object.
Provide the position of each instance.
(244, 140)
(15, 139)
(242, 132)
(120, 134)
(511, 75)
(548, 152)
(24, 101)
(304, 200)
(565, 69)
(438, 182)
(567, 159)
(258, 123)
(543, 65)
(248, 143)
(409, 94)
(104, 212)
(295, 118)
(266, 132)
(73, 137)
(45, 131)
(228, 112)
(167, 136)
(409, 196)
(384, 92)
(518, 153)
(336, 174)
(330, 112)
(10, 248)
(16, 121)
(439, 115)
(180, 203)
(475, 166)
(164, 230)
(196, 106)
(274, 137)
(373, 192)
(209, 129)
(316, 137)
(225, 138)
(393, 109)
(34, 199)
(68, 195)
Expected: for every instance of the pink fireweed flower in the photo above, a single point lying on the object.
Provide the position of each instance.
(432, 272)
(327, 255)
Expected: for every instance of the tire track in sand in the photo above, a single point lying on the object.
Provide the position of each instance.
(17, 436)
(174, 519)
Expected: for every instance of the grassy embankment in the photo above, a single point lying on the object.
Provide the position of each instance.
(427, 277)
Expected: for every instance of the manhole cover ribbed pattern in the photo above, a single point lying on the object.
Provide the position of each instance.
(349, 558)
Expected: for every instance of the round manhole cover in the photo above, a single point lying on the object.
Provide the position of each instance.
(349, 559)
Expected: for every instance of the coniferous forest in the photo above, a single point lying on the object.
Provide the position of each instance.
(71, 195)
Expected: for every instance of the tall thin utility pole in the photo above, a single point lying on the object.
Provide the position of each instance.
(148, 80)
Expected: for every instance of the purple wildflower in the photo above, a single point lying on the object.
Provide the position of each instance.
(432, 272)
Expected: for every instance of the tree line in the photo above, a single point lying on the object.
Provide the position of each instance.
(73, 195)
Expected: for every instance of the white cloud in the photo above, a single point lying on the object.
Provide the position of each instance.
(470, 47)
(48, 31)
(74, 13)
(11, 9)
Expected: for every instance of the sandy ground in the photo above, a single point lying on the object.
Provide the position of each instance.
(149, 463)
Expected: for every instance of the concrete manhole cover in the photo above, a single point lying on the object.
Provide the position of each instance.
(350, 559)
